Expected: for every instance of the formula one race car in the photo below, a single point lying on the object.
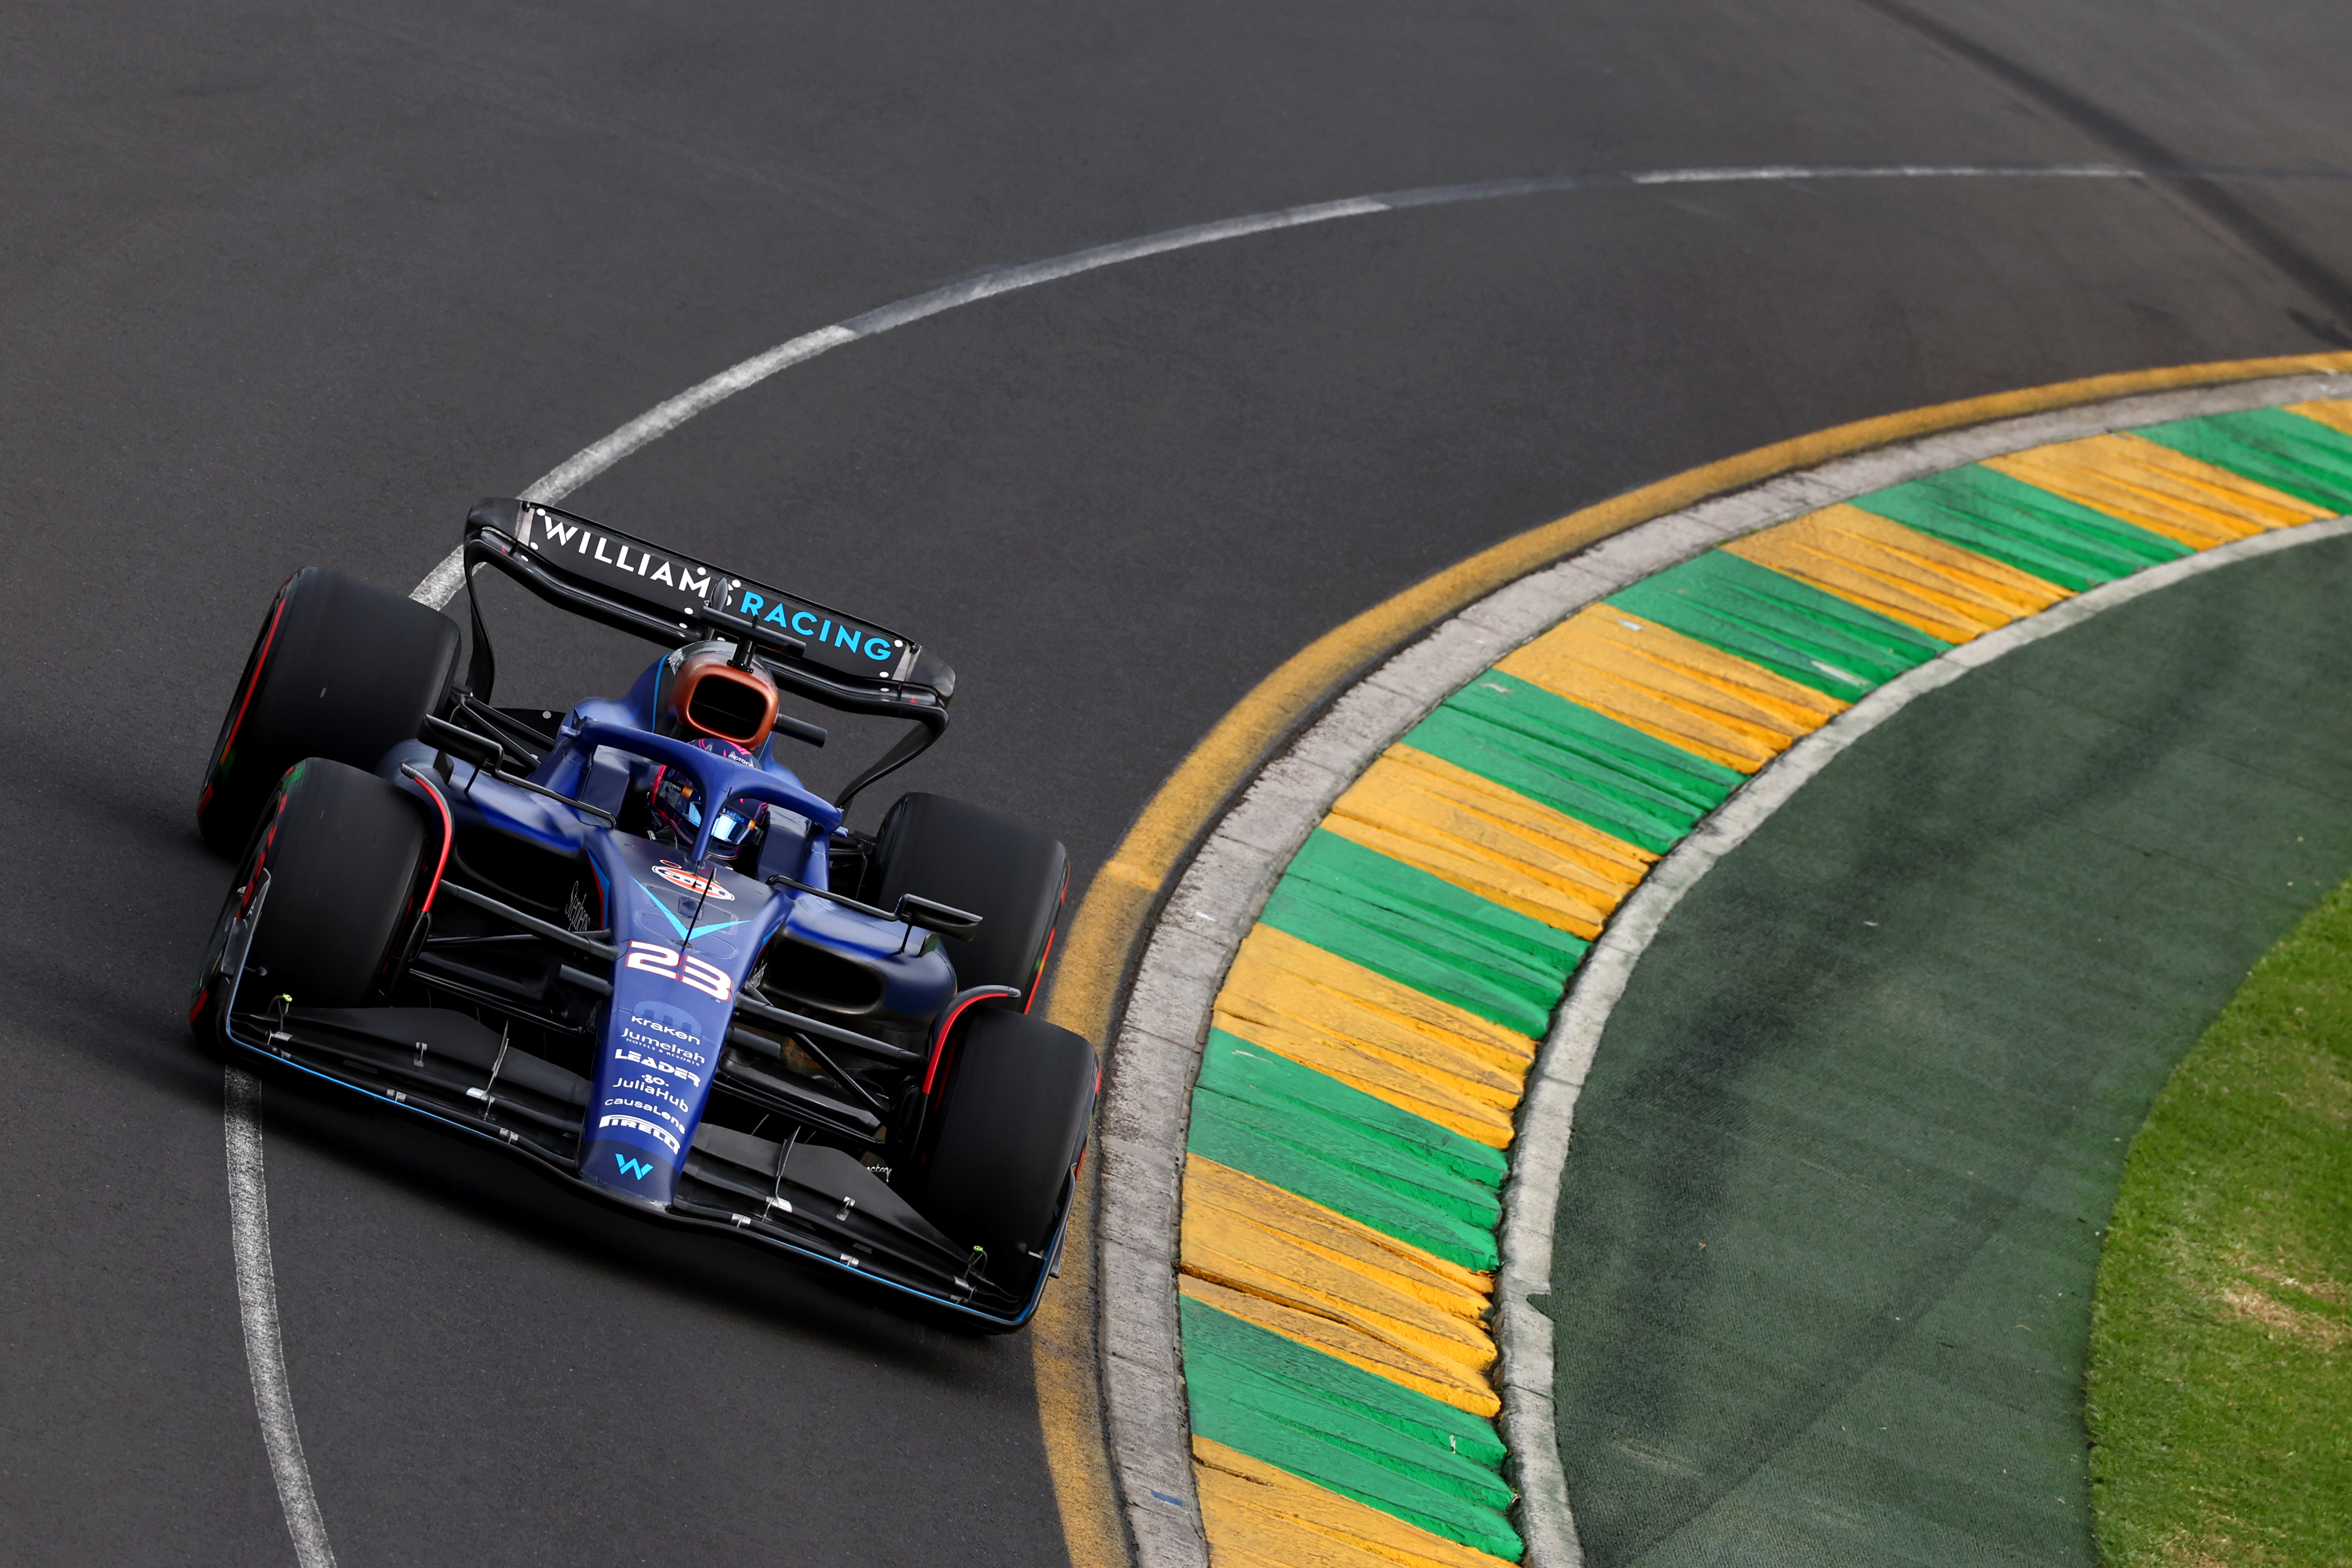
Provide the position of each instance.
(626, 943)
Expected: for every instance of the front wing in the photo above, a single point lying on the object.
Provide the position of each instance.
(809, 1201)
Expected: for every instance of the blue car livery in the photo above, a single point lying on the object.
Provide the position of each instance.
(628, 942)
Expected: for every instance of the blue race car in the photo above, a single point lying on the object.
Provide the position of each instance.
(626, 943)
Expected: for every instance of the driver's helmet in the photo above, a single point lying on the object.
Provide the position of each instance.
(677, 803)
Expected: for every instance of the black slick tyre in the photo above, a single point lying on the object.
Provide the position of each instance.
(1011, 1122)
(1013, 876)
(344, 854)
(341, 670)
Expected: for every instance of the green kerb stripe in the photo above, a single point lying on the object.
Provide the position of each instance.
(1794, 629)
(2271, 447)
(2016, 524)
(1288, 1124)
(1401, 922)
(1581, 763)
(1406, 1454)
(1388, 1447)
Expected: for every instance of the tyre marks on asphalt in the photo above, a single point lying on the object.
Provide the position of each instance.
(1566, 769)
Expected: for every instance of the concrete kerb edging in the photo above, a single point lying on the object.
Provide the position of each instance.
(1156, 1055)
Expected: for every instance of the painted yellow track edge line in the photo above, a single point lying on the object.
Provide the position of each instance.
(1313, 1305)
(1107, 932)
(1103, 934)
(1062, 1349)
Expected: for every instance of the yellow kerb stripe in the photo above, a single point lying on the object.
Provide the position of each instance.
(2160, 489)
(1460, 1039)
(1488, 840)
(1673, 687)
(1353, 1342)
(1339, 1276)
(1900, 573)
(1259, 1517)
(1109, 926)
(1413, 1051)
(1415, 1271)
(1480, 1118)
(2336, 414)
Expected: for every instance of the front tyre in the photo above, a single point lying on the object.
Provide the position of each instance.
(341, 670)
(1011, 1122)
(344, 851)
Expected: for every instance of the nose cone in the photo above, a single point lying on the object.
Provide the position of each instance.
(629, 1170)
(686, 938)
(649, 1089)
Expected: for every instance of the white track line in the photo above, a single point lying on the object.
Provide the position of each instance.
(257, 1276)
(256, 1300)
(442, 583)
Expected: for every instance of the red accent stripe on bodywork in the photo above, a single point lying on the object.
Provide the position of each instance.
(947, 1024)
(1037, 981)
(448, 832)
(1031, 1000)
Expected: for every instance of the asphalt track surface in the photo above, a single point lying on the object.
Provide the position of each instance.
(1831, 1224)
(282, 285)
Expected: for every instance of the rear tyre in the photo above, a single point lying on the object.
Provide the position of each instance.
(1011, 1122)
(1013, 876)
(341, 670)
(343, 850)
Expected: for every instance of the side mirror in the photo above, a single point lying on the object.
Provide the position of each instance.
(934, 916)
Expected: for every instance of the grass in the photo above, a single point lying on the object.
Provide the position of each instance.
(2219, 1392)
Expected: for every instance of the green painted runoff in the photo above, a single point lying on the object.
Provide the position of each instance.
(1922, 1110)
(1829, 1228)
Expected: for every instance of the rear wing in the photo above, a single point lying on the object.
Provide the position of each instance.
(812, 649)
